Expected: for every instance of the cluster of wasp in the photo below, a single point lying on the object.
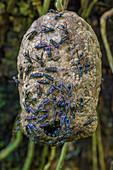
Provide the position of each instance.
(60, 104)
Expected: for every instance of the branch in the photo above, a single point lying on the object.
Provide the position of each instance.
(30, 155)
(65, 5)
(46, 6)
(62, 156)
(86, 15)
(104, 37)
(52, 155)
(111, 165)
(84, 6)
(12, 146)
(43, 158)
(42, 9)
(94, 152)
(58, 5)
(100, 148)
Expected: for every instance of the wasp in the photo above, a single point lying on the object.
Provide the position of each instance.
(43, 110)
(31, 125)
(21, 72)
(58, 16)
(48, 77)
(30, 118)
(39, 60)
(65, 30)
(51, 69)
(64, 39)
(81, 103)
(39, 91)
(28, 69)
(31, 110)
(89, 121)
(79, 59)
(43, 81)
(61, 142)
(45, 100)
(46, 29)
(27, 57)
(40, 46)
(42, 118)
(55, 44)
(32, 34)
(52, 10)
(36, 75)
(89, 68)
(70, 91)
(73, 108)
(62, 118)
(48, 49)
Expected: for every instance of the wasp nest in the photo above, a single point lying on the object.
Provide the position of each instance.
(59, 65)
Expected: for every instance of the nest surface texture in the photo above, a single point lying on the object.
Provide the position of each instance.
(59, 70)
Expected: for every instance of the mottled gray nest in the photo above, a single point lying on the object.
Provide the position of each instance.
(59, 70)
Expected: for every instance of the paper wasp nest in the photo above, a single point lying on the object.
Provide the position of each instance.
(59, 70)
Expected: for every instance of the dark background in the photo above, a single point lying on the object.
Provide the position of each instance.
(15, 18)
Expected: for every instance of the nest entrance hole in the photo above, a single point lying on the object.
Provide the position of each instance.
(53, 129)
